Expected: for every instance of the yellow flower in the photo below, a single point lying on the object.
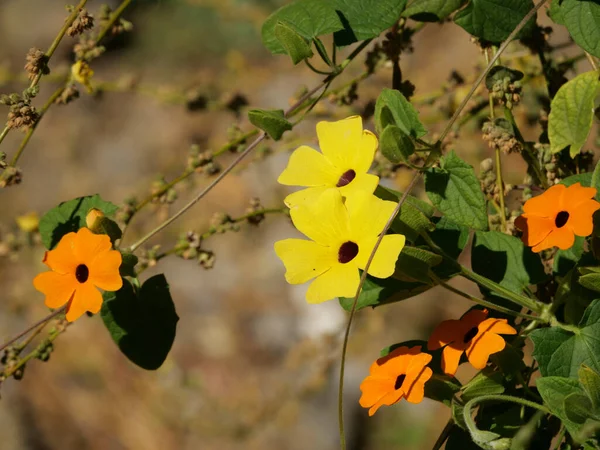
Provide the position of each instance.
(347, 154)
(28, 222)
(80, 263)
(343, 236)
(83, 73)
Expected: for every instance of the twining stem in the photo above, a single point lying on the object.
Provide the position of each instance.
(29, 133)
(113, 18)
(4, 133)
(49, 317)
(443, 435)
(480, 301)
(481, 77)
(592, 61)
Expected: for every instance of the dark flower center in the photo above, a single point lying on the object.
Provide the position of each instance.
(470, 334)
(346, 178)
(561, 219)
(399, 381)
(347, 252)
(82, 273)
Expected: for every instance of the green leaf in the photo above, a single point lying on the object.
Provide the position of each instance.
(572, 112)
(457, 411)
(582, 19)
(590, 281)
(392, 108)
(590, 381)
(365, 19)
(432, 10)
(585, 179)
(506, 260)
(455, 191)
(451, 237)
(578, 407)
(441, 388)
(561, 353)
(294, 44)
(395, 145)
(494, 20)
(273, 122)
(412, 220)
(129, 261)
(565, 260)
(485, 382)
(498, 74)
(595, 182)
(104, 225)
(555, 12)
(554, 390)
(69, 217)
(414, 263)
(143, 324)
(308, 18)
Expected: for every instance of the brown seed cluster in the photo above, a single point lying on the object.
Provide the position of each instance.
(36, 63)
(83, 22)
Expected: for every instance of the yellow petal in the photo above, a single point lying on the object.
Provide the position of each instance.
(362, 183)
(104, 271)
(324, 221)
(304, 197)
(304, 260)
(363, 159)
(341, 141)
(368, 215)
(384, 262)
(340, 281)
(308, 167)
(58, 288)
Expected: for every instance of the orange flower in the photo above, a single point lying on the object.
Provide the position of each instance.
(556, 216)
(474, 334)
(80, 263)
(401, 374)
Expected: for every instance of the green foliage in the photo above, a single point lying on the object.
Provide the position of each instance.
(590, 382)
(272, 122)
(142, 322)
(454, 190)
(295, 45)
(365, 19)
(392, 108)
(129, 261)
(582, 19)
(414, 263)
(484, 383)
(442, 388)
(69, 217)
(307, 18)
(395, 145)
(498, 74)
(572, 112)
(505, 260)
(554, 390)
(560, 352)
(494, 20)
(432, 10)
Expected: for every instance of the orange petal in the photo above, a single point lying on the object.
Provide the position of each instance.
(389, 399)
(417, 389)
(562, 238)
(87, 246)
(450, 359)
(580, 218)
(62, 258)
(577, 194)
(473, 318)
(548, 203)
(104, 271)
(497, 326)
(374, 389)
(480, 349)
(58, 288)
(86, 298)
(535, 228)
(446, 332)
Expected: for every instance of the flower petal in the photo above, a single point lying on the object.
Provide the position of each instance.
(581, 218)
(86, 298)
(384, 262)
(575, 195)
(305, 196)
(451, 358)
(62, 258)
(362, 183)
(325, 221)
(87, 246)
(473, 318)
(340, 281)
(546, 204)
(416, 391)
(368, 215)
(304, 260)
(341, 141)
(497, 326)
(365, 152)
(308, 167)
(58, 288)
(481, 348)
(388, 400)
(562, 238)
(445, 333)
(373, 389)
(535, 229)
(104, 271)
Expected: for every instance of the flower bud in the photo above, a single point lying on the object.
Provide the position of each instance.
(93, 219)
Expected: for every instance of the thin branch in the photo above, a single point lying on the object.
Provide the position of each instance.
(35, 325)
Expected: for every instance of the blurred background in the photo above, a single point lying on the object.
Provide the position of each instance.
(253, 366)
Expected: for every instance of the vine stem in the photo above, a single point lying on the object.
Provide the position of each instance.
(113, 18)
(481, 77)
(48, 318)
